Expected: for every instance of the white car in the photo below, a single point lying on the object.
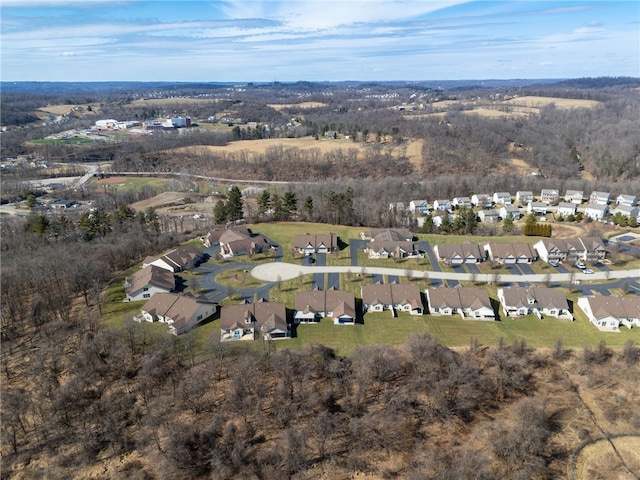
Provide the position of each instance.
(580, 265)
(587, 270)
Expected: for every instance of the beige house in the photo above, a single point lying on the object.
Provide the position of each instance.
(143, 284)
(311, 306)
(393, 297)
(510, 253)
(181, 313)
(520, 301)
(247, 321)
(308, 244)
(459, 253)
(471, 303)
(607, 313)
(178, 260)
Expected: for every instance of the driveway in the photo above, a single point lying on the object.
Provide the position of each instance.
(393, 278)
(354, 246)
(333, 281)
(426, 248)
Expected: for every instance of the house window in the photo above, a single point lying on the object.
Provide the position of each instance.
(198, 318)
(146, 295)
(145, 289)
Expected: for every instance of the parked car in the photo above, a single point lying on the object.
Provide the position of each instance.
(587, 270)
(554, 263)
(580, 265)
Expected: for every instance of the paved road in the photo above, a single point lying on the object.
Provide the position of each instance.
(354, 246)
(287, 271)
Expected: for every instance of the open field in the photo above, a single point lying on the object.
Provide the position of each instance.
(412, 149)
(301, 105)
(564, 103)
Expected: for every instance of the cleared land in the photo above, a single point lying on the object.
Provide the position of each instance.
(412, 148)
(302, 105)
(599, 460)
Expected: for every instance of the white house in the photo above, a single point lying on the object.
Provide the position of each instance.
(481, 200)
(537, 208)
(502, 198)
(461, 202)
(420, 207)
(549, 196)
(574, 196)
(393, 297)
(489, 216)
(442, 205)
(631, 212)
(507, 210)
(628, 200)
(600, 198)
(524, 197)
(565, 208)
(608, 312)
(596, 211)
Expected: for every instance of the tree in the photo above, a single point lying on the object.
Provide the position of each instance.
(308, 206)
(220, 212)
(235, 204)
(290, 203)
(36, 223)
(507, 225)
(264, 203)
(427, 225)
(31, 200)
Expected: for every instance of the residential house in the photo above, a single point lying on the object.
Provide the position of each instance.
(181, 313)
(247, 321)
(608, 312)
(589, 249)
(627, 211)
(212, 238)
(600, 198)
(502, 198)
(391, 296)
(627, 200)
(574, 196)
(459, 253)
(439, 217)
(507, 210)
(419, 207)
(481, 200)
(511, 253)
(489, 216)
(567, 208)
(390, 244)
(311, 306)
(399, 233)
(524, 197)
(472, 303)
(460, 202)
(307, 244)
(177, 260)
(537, 208)
(442, 205)
(146, 282)
(596, 211)
(520, 301)
(549, 196)
(235, 242)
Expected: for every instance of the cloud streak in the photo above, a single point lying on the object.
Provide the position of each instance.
(312, 40)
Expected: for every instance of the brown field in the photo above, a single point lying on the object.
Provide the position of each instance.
(303, 105)
(537, 102)
(64, 109)
(162, 200)
(111, 180)
(599, 460)
(413, 148)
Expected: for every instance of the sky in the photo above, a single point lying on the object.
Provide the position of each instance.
(310, 40)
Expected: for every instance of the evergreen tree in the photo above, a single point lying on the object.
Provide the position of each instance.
(264, 203)
(507, 225)
(427, 225)
(308, 206)
(235, 204)
(290, 203)
(220, 212)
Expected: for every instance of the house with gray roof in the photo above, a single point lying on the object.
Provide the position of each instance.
(471, 303)
(519, 301)
(339, 305)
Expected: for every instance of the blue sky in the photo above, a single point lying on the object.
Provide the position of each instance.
(291, 40)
